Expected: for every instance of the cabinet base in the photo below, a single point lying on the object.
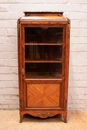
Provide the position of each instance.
(43, 114)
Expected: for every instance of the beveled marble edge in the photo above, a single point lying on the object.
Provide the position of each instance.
(40, 18)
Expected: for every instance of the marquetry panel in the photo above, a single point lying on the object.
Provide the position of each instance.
(43, 95)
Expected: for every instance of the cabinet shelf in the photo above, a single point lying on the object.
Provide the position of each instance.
(44, 44)
(44, 61)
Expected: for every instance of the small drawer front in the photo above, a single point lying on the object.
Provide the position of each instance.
(43, 95)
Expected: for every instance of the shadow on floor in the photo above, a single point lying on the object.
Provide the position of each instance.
(29, 118)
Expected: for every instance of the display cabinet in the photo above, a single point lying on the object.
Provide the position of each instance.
(43, 60)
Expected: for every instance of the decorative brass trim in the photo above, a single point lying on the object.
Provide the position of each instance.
(43, 114)
(66, 104)
(23, 71)
(68, 20)
(18, 27)
(68, 28)
(20, 105)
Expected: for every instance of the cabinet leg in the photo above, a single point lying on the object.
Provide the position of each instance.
(65, 118)
(20, 121)
(21, 118)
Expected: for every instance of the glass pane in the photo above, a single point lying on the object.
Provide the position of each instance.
(43, 35)
(54, 35)
(43, 70)
(43, 52)
(33, 35)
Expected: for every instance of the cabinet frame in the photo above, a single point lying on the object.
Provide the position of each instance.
(43, 112)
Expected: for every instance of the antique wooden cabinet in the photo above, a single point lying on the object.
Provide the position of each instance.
(43, 57)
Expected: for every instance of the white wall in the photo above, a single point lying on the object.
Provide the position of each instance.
(10, 11)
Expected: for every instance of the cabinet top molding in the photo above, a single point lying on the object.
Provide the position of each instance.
(42, 13)
(43, 16)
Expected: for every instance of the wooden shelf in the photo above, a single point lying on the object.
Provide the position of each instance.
(44, 61)
(44, 44)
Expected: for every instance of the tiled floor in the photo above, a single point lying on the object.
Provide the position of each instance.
(9, 120)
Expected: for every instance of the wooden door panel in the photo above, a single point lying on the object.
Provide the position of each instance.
(43, 95)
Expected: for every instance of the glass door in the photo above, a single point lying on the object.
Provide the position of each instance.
(43, 52)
